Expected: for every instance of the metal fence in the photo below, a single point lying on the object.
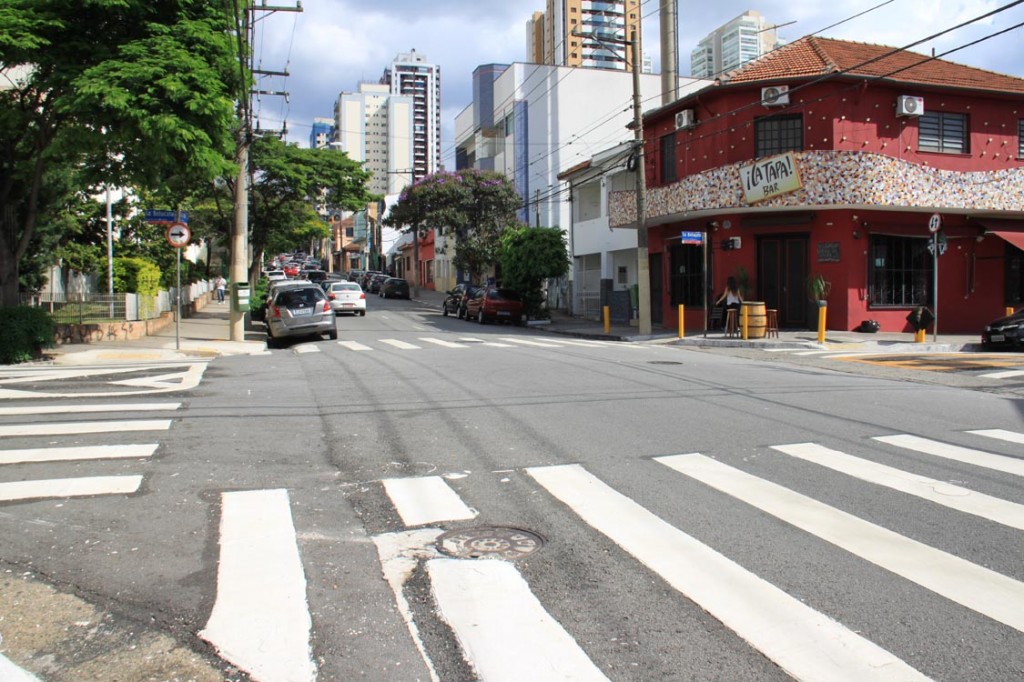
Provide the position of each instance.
(91, 308)
(587, 304)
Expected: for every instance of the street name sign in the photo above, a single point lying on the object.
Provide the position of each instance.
(692, 237)
(157, 216)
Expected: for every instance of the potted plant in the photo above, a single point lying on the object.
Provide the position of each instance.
(818, 289)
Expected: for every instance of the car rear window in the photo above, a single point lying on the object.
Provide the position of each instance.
(299, 298)
(507, 294)
(346, 286)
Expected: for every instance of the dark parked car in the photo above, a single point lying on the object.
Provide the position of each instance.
(300, 311)
(490, 304)
(1006, 332)
(376, 282)
(455, 302)
(394, 287)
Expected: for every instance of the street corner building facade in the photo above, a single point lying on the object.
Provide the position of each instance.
(846, 160)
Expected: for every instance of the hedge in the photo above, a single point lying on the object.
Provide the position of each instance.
(24, 332)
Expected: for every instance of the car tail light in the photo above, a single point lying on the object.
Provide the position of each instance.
(362, 296)
(331, 296)
(327, 306)
(275, 311)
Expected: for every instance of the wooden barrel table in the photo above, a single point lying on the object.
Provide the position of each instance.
(757, 318)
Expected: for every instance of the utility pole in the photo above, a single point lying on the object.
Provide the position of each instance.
(643, 266)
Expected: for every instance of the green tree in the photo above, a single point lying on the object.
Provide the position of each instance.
(473, 206)
(288, 182)
(130, 93)
(529, 255)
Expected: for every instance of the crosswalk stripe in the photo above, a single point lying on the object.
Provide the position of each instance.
(526, 342)
(353, 345)
(983, 590)
(64, 428)
(401, 345)
(948, 495)
(69, 409)
(427, 499)
(805, 643)
(813, 352)
(442, 342)
(260, 620)
(69, 487)
(1001, 434)
(32, 455)
(497, 619)
(979, 458)
(1007, 374)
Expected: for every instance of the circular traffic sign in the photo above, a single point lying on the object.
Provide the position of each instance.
(934, 223)
(178, 235)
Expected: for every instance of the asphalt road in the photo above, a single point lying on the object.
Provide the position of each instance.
(665, 513)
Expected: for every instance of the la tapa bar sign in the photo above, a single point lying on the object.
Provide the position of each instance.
(770, 177)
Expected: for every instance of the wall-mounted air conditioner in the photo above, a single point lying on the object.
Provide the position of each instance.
(775, 95)
(685, 119)
(906, 105)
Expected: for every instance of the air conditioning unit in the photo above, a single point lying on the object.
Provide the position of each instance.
(775, 96)
(907, 105)
(685, 119)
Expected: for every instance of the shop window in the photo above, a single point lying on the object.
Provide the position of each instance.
(942, 131)
(900, 271)
(668, 158)
(686, 280)
(778, 134)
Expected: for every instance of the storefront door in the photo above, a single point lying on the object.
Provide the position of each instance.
(781, 277)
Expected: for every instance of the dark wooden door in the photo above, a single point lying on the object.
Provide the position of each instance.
(781, 276)
(657, 289)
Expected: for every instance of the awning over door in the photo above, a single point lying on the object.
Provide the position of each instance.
(1010, 231)
(1015, 238)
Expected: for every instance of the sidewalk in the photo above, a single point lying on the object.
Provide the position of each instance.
(206, 335)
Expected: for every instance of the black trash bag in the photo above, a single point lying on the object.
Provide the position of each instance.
(869, 326)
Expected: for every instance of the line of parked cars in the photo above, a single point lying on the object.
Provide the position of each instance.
(484, 304)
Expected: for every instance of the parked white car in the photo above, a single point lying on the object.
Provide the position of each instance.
(347, 297)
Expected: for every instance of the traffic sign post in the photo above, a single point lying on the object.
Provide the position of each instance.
(178, 236)
(937, 247)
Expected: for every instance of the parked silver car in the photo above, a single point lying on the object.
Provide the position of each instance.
(300, 311)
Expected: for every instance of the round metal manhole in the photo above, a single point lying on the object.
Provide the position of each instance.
(493, 542)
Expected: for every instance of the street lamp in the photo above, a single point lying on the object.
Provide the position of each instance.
(642, 257)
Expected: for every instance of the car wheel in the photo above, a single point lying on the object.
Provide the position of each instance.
(333, 335)
(444, 309)
(480, 317)
(362, 313)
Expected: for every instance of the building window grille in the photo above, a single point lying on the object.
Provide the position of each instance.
(687, 276)
(668, 158)
(1020, 139)
(900, 271)
(941, 131)
(778, 134)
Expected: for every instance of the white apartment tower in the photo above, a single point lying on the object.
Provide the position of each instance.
(411, 75)
(584, 33)
(376, 127)
(732, 45)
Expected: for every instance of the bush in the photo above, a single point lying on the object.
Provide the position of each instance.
(136, 276)
(24, 332)
(258, 300)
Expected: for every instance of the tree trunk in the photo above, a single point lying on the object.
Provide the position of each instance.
(8, 277)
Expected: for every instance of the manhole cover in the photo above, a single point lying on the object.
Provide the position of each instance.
(489, 543)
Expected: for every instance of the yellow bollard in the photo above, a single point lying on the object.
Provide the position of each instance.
(1009, 310)
(743, 321)
(682, 323)
(607, 319)
(822, 315)
(920, 336)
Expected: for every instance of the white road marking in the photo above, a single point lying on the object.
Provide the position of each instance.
(948, 495)
(495, 344)
(353, 345)
(190, 378)
(504, 630)
(427, 499)
(442, 342)
(980, 589)
(77, 453)
(1001, 434)
(402, 345)
(260, 620)
(805, 643)
(65, 428)
(526, 342)
(71, 408)
(1007, 374)
(306, 348)
(979, 458)
(69, 487)
(813, 352)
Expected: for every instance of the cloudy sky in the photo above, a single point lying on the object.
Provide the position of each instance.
(333, 45)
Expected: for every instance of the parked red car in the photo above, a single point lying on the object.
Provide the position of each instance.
(490, 304)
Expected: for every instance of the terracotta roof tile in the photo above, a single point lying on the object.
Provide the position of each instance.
(812, 57)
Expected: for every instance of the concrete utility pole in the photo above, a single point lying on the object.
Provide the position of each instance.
(643, 266)
(669, 51)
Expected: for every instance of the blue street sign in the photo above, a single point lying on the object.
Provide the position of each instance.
(692, 237)
(155, 216)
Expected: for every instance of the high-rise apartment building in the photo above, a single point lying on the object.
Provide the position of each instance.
(376, 127)
(410, 74)
(732, 45)
(322, 134)
(586, 33)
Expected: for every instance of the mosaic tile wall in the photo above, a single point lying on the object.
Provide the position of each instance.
(833, 178)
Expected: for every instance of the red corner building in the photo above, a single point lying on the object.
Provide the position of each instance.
(833, 158)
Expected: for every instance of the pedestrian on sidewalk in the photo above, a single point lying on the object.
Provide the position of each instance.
(733, 300)
(221, 285)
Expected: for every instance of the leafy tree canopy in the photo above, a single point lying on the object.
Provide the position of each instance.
(529, 255)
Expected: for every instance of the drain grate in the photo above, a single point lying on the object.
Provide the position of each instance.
(489, 542)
